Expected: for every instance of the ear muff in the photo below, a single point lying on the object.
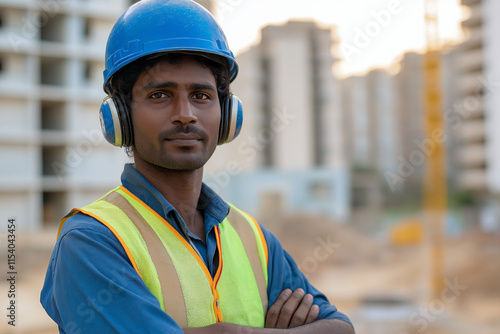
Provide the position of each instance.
(115, 122)
(231, 119)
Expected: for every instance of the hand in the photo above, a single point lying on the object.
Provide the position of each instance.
(292, 310)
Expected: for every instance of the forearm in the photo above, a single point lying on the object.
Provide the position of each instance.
(326, 326)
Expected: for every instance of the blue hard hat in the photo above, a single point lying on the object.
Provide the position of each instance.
(152, 26)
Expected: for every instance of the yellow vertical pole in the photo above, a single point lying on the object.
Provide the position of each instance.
(434, 193)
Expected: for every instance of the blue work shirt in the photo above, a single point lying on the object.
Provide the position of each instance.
(92, 287)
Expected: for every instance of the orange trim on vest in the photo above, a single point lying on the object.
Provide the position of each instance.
(262, 238)
(73, 212)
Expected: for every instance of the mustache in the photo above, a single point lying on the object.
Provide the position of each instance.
(184, 129)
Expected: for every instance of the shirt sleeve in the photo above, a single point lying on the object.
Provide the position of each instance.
(91, 286)
(284, 273)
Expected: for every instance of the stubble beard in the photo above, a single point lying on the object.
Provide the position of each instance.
(182, 160)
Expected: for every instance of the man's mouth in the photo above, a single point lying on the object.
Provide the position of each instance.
(184, 139)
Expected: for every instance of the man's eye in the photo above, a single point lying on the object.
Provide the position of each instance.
(201, 96)
(158, 95)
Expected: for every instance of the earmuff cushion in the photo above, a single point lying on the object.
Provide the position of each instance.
(125, 121)
(224, 120)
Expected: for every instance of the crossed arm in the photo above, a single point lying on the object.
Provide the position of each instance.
(293, 312)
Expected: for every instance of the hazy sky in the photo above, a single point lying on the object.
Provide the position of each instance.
(372, 33)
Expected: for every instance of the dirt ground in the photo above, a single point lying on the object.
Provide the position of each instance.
(384, 289)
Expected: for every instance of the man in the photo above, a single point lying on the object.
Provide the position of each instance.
(163, 252)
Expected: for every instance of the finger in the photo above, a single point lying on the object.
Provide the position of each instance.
(274, 311)
(289, 308)
(313, 314)
(302, 312)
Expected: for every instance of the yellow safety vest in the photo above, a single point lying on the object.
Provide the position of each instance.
(174, 272)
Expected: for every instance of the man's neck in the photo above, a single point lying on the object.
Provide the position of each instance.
(181, 189)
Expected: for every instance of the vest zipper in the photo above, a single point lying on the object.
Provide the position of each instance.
(217, 308)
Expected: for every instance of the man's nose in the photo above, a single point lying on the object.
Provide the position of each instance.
(183, 111)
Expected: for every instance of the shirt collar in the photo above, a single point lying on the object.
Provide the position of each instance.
(214, 207)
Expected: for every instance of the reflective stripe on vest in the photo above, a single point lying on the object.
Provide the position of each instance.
(174, 272)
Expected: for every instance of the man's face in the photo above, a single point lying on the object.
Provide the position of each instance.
(175, 115)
